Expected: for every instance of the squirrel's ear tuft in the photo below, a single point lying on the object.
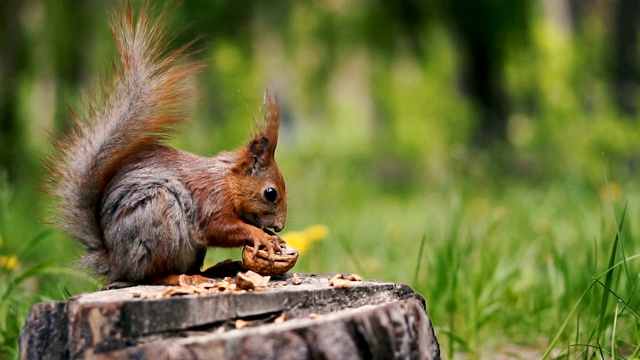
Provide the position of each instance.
(271, 125)
(262, 147)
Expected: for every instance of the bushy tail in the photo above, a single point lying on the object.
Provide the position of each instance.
(147, 97)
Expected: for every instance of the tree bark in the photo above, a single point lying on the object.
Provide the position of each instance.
(366, 320)
(625, 69)
(12, 63)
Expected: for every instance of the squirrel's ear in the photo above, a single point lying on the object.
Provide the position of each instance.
(259, 147)
(259, 154)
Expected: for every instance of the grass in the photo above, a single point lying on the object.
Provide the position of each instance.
(546, 269)
(500, 265)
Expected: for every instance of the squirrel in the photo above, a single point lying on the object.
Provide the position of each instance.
(146, 212)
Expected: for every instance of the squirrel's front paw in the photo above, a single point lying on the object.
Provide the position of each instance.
(270, 242)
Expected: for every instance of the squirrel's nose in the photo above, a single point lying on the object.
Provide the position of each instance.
(278, 228)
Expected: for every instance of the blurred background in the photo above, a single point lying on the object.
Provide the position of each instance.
(483, 151)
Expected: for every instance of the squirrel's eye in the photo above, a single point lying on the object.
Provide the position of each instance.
(270, 194)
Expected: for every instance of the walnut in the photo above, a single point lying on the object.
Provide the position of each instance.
(281, 261)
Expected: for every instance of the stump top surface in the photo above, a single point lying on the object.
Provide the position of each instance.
(132, 322)
(280, 284)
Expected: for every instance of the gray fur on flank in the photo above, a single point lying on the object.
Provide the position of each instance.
(147, 218)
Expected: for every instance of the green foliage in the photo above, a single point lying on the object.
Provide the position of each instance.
(28, 271)
(511, 246)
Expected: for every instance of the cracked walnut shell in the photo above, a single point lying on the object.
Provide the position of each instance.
(280, 263)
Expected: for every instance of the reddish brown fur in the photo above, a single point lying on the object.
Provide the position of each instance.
(121, 136)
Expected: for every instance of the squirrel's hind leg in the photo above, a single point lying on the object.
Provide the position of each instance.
(147, 235)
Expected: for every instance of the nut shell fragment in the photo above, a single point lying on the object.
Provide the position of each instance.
(239, 324)
(340, 283)
(280, 319)
(251, 281)
(296, 280)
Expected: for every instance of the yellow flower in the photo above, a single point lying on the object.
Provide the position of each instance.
(8, 262)
(12, 262)
(301, 240)
(614, 189)
(297, 240)
(316, 232)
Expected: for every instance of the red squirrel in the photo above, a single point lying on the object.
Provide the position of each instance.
(147, 212)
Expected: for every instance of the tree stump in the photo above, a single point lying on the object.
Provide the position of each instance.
(362, 320)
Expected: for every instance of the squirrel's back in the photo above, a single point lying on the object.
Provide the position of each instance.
(148, 95)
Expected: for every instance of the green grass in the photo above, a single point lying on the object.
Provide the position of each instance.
(500, 265)
(551, 269)
(524, 249)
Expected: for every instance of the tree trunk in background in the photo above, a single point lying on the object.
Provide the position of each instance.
(486, 30)
(625, 74)
(69, 31)
(12, 61)
(562, 13)
(484, 81)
